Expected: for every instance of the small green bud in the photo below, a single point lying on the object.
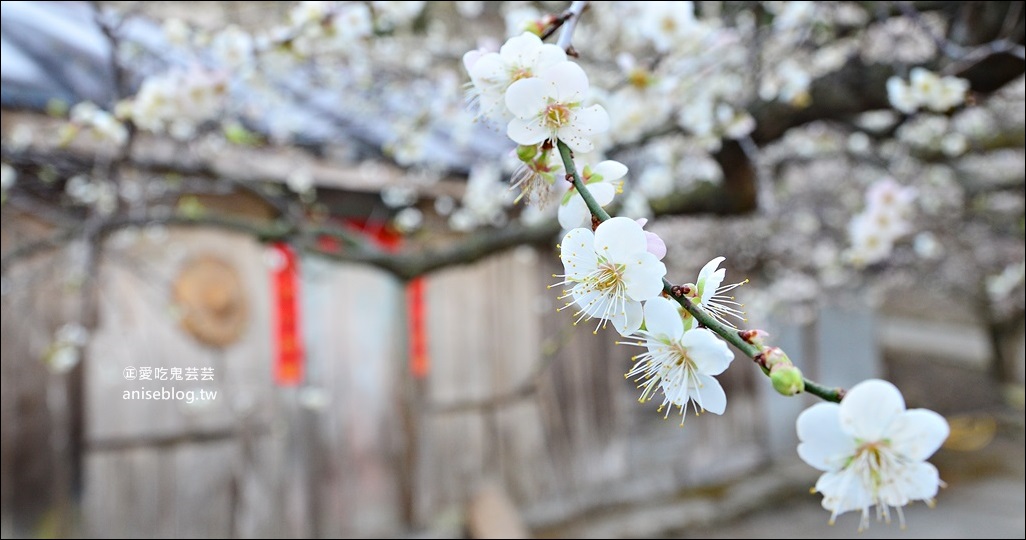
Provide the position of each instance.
(774, 356)
(787, 379)
(535, 27)
(527, 153)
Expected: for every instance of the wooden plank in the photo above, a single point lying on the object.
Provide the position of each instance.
(491, 514)
(351, 316)
(138, 329)
(36, 302)
(182, 492)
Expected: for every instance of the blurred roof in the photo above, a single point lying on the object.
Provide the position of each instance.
(58, 51)
(52, 51)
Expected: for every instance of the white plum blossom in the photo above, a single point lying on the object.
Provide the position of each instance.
(602, 182)
(885, 219)
(939, 94)
(351, 23)
(409, 219)
(539, 177)
(656, 182)
(926, 89)
(100, 124)
(8, 176)
(681, 361)
(484, 201)
(393, 13)
(636, 109)
(64, 352)
(177, 32)
(869, 243)
(872, 451)
(308, 12)
(551, 106)
(901, 96)
(491, 74)
(667, 23)
(300, 180)
(609, 273)
(178, 101)
(233, 46)
(522, 18)
(710, 293)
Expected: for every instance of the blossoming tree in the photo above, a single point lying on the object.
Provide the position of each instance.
(712, 104)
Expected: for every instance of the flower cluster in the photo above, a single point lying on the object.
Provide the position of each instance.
(926, 90)
(615, 275)
(176, 102)
(540, 97)
(870, 448)
(100, 124)
(884, 220)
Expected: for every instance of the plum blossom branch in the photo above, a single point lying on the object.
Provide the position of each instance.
(573, 15)
(704, 317)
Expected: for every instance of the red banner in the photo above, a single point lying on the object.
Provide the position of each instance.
(288, 334)
(420, 363)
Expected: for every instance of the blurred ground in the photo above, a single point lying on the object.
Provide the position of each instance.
(983, 464)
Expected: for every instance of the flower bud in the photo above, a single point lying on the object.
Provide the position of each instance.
(774, 356)
(755, 337)
(526, 153)
(535, 27)
(787, 379)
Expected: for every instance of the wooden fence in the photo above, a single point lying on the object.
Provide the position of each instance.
(515, 397)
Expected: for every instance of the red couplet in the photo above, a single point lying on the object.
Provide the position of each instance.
(420, 363)
(288, 334)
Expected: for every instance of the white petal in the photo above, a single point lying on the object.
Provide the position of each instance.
(655, 245)
(488, 72)
(493, 108)
(709, 278)
(549, 55)
(620, 240)
(592, 302)
(586, 124)
(520, 50)
(918, 433)
(843, 492)
(471, 57)
(628, 322)
(869, 408)
(643, 276)
(574, 213)
(577, 251)
(526, 98)
(710, 394)
(823, 444)
(919, 482)
(602, 192)
(566, 82)
(662, 318)
(526, 132)
(710, 354)
(575, 138)
(610, 170)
